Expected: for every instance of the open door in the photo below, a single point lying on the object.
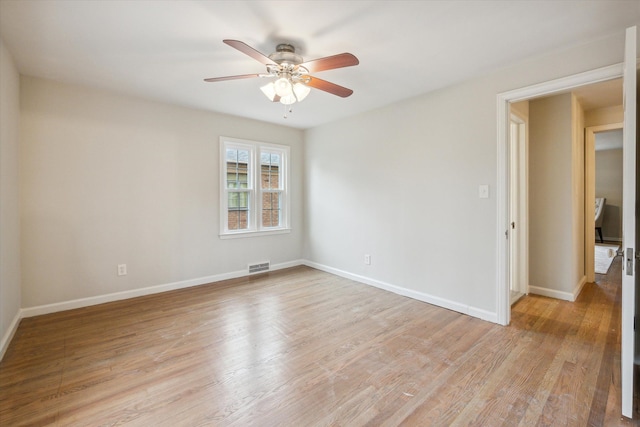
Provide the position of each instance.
(629, 276)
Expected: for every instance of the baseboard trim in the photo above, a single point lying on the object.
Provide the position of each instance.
(8, 336)
(579, 287)
(420, 296)
(551, 293)
(133, 293)
(565, 296)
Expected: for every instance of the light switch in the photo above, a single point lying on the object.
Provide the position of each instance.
(483, 191)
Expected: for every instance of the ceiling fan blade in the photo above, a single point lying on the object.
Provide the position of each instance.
(243, 76)
(330, 62)
(329, 87)
(248, 50)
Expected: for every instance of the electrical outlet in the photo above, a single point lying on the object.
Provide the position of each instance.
(122, 269)
(367, 259)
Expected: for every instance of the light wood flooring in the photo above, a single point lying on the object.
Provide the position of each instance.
(301, 347)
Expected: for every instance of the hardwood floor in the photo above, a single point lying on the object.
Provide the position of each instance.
(301, 347)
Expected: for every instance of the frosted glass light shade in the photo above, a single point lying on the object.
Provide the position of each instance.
(283, 87)
(301, 91)
(288, 99)
(269, 91)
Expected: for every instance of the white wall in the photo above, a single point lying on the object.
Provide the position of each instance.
(401, 183)
(9, 200)
(609, 185)
(550, 208)
(556, 203)
(108, 180)
(395, 184)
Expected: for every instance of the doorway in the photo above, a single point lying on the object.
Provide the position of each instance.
(554, 200)
(505, 100)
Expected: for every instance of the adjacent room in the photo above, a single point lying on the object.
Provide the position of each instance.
(316, 213)
(608, 188)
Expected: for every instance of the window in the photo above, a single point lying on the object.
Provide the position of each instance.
(253, 195)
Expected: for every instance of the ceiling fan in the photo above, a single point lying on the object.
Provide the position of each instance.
(292, 75)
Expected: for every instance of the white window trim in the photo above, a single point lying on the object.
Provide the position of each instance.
(255, 191)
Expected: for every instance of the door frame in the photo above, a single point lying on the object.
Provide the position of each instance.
(503, 308)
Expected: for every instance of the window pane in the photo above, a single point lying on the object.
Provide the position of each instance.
(238, 200)
(238, 220)
(238, 210)
(270, 158)
(243, 176)
(231, 180)
(237, 168)
(270, 170)
(271, 209)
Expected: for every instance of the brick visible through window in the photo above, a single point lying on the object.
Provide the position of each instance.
(254, 186)
(270, 186)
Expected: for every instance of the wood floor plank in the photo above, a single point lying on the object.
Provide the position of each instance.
(301, 347)
(519, 376)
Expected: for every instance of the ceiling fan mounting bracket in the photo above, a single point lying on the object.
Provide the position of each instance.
(285, 47)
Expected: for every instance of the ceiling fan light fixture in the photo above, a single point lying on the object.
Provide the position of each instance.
(269, 91)
(283, 87)
(301, 91)
(288, 99)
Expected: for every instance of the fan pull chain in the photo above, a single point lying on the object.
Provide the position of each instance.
(287, 109)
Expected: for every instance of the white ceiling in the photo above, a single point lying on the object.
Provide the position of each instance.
(163, 50)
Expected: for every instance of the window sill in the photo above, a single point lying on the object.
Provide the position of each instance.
(244, 234)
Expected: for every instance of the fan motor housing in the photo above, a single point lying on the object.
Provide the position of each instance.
(286, 54)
